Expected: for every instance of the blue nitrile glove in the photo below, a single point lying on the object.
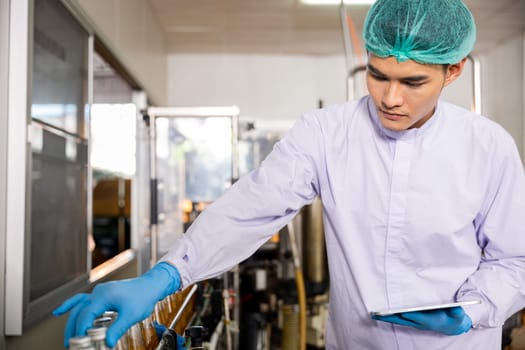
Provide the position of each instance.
(181, 343)
(160, 329)
(450, 321)
(133, 299)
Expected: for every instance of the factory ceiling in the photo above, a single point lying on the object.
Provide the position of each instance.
(291, 27)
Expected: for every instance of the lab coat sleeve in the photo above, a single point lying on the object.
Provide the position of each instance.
(253, 209)
(499, 281)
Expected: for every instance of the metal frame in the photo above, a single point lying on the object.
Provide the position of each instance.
(350, 82)
(347, 41)
(87, 115)
(152, 114)
(38, 310)
(20, 313)
(17, 148)
(4, 50)
(139, 188)
(476, 83)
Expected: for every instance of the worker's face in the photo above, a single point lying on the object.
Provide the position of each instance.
(406, 93)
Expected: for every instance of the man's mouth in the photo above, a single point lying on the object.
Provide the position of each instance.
(391, 115)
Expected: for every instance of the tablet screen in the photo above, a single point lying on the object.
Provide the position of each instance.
(425, 307)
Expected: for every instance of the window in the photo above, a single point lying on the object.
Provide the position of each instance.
(58, 164)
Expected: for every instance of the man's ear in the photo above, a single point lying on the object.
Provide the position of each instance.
(454, 71)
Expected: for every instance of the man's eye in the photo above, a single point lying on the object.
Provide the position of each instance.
(411, 84)
(378, 77)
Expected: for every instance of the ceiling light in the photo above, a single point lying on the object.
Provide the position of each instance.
(337, 2)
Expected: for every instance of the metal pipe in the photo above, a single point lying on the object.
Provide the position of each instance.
(235, 147)
(214, 339)
(476, 83)
(154, 215)
(313, 246)
(179, 314)
(183, 306)
(192, 112)
(89, 183)
(236, 305)
(291, 327)
(346, 37)
(351, 82)
(233, 341)
(205, 305)
(301, 294)
(227, 320)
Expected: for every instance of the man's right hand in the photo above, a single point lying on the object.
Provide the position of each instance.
(133, 300)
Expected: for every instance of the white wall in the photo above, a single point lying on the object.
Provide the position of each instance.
(4, 50)
(503, 87)
(270, 87)
(274, 87)
(267, 87)
(132, 32)
(461, 91)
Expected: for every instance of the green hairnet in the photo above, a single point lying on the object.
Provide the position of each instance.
(426, 31)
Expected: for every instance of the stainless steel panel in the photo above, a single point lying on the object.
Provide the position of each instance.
(58, 249)
(16, 165)
(313, 243)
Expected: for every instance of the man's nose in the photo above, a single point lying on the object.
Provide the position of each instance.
(392, 96)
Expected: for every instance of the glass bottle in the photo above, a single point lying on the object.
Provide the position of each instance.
(122, 343)
(160, 314)
(79, 343)
(170, 310)
(135, 341)
(98, 337)
(174, 304)
(149, 334)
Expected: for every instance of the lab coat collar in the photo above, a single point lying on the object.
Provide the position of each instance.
(403, 134)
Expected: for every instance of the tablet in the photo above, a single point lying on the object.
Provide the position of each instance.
(425, 307)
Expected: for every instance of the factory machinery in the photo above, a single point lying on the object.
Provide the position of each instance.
(280, 292)
(281, 309)
(276, 299)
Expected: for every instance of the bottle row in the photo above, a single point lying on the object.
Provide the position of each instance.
(144, 335)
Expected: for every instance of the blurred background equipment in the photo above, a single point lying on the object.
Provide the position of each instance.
(111, 218)
(75, 150)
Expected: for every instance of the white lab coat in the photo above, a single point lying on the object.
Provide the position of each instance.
(412, 217)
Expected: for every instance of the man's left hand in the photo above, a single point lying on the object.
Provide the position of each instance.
(450, 321)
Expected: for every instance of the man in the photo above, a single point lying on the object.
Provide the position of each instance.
(422, 202)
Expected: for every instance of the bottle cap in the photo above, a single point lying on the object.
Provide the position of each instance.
(102, 322)
(98, 333)
(79, 341)
(112, 314)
